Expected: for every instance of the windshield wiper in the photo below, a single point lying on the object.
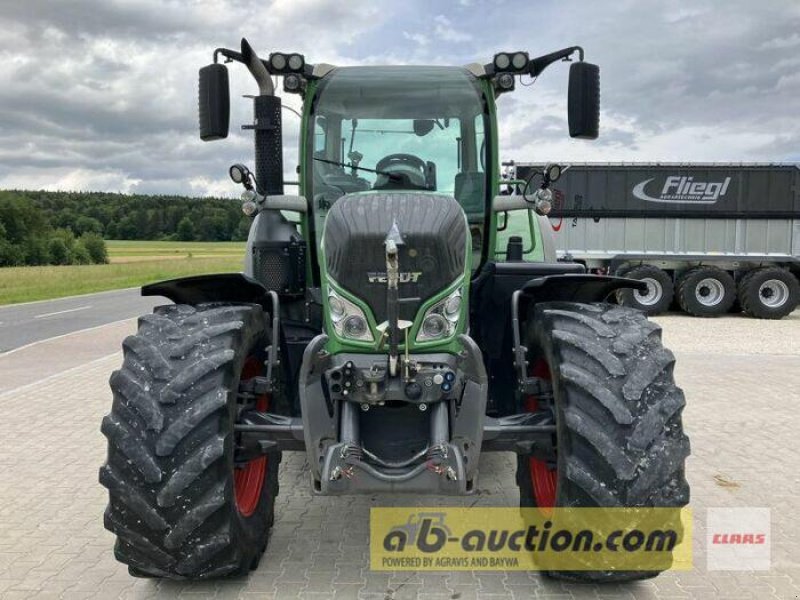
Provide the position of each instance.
(392, 176)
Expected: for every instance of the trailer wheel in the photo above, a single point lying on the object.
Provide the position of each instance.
(769, 293)
(619, 433)
(706, 292)
(658, 296)
(182, 502)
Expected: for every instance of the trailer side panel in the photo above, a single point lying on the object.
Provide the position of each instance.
(586, 237)
(680, 190)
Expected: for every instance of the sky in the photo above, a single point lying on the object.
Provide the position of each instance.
(102, 95)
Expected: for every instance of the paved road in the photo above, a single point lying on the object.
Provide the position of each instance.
(741, 416)
(22, 324)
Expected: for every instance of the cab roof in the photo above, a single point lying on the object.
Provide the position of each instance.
(401, 90)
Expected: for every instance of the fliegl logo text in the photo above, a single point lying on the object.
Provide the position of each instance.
(524, 539)
(684, 190)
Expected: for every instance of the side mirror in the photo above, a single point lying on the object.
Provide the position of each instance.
(583, 105)
(215, 102)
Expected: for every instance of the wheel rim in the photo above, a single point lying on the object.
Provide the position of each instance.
(544, 478)
(774, 293)
(248, 481)
(709, 291)
(652, 295)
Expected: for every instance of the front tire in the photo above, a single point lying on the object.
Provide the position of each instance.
(178, 504)
(619, 433)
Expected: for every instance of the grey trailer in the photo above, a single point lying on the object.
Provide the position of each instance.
(709, 238)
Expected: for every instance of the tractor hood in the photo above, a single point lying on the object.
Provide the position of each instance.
(432, 253)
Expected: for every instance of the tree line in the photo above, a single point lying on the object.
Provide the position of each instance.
(38, 227)
(28, 238)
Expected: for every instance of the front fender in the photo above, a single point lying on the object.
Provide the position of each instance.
(577, 288)
(236, 288)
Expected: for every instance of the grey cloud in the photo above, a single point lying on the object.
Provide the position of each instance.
(105, 90)
(107, 17)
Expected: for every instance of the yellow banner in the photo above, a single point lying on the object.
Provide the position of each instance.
(571, 539)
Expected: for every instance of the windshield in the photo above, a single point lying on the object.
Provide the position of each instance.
(399, 128)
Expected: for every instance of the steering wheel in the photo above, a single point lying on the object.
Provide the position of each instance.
(401, 159)
(410, 166)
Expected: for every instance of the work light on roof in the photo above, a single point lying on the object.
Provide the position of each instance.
(516, 62)
(519, 61)
(505, 81)
(286, 63)
(502, 61)
(292, 83)
(296, 62)
(277, 61)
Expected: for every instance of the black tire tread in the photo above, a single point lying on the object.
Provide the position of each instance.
(626, 296)
(685, 296)
(621, 439)
(749, 296)
(170, 447)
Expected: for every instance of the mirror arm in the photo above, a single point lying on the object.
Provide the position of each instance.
(230, 55)
(258, 67)
(540, 63)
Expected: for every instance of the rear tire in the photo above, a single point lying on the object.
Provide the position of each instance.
(769, 293)
(619, 438)
(706, 292)
(170, 470)
(659, 294)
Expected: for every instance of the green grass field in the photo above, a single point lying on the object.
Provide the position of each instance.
(131, 264)
(127, 251)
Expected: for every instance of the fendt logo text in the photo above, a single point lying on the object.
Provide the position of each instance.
(684, 190)
(406, 277)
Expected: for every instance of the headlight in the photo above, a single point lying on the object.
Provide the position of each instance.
(441, 319)
(453, 306)
(434, 326)
(355, 326)
(349, 321)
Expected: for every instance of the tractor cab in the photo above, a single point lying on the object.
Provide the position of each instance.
(394, 129)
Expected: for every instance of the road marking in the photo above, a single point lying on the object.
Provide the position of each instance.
(22, 388)
(69, 297)
(63, 335)
(61, 312)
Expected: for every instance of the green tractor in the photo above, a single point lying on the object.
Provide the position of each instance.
(386, 325)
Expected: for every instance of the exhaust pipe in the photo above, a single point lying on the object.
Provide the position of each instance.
(257, 69)
(267, 127)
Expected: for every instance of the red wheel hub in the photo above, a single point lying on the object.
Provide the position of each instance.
(543, 477)
(248, 481)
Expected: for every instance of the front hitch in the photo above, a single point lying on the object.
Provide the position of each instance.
(392, 242)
